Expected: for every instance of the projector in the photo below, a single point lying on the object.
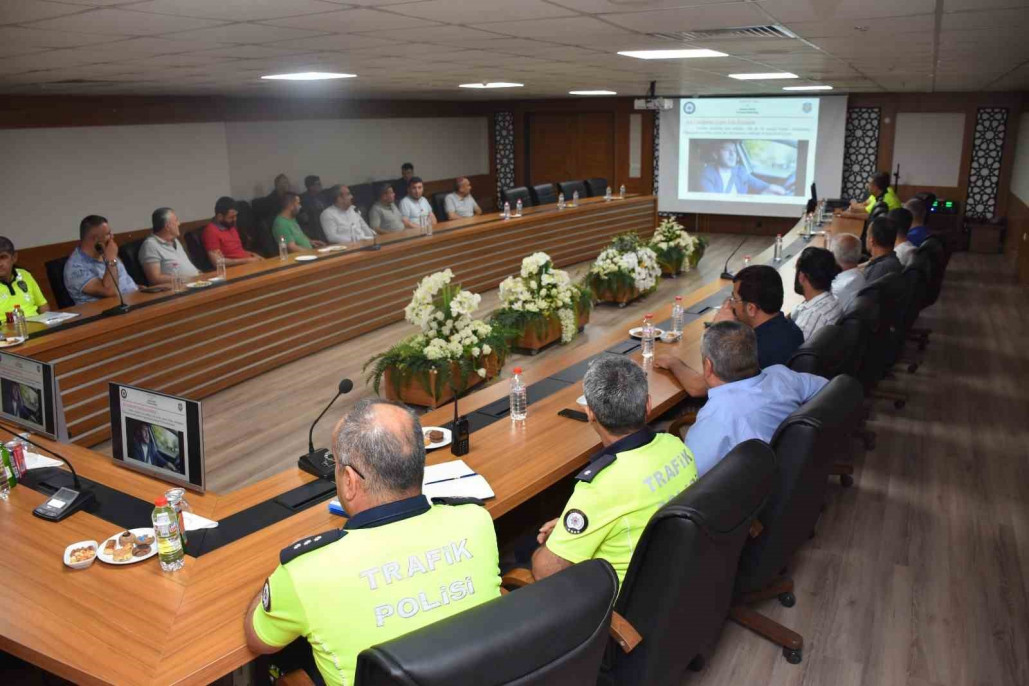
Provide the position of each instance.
(653, 104)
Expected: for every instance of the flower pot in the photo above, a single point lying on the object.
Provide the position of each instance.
(620, 295)
(412, 389)
(537, 335)
(671, 267)
(584, 318)
(698, 252)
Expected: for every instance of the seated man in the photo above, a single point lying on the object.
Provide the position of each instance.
(341, 222)
(20, 288)
(162, 252)
(415, 209)
(399, 563)
(89, 273)
(743, 401)
(905, 250)
(221, 237)
(635, 473)
(846, 248)
(879, 190)
(725, 174)
(918, 231)
(400, 185)
(311, 207)
(816, 269)
(385, 217)
(460, 203)
(285, 227)
(882, 235)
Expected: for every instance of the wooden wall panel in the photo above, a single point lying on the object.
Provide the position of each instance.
(1016, 245)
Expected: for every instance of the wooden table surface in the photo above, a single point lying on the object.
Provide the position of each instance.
(270, 313)
(138, 625)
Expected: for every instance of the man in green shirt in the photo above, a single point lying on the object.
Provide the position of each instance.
(879, 188)
(285, 227)
(399, 564)
(17, 287)
(635, 473)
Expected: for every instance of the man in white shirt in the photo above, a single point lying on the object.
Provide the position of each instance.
(905, 250)
(341, 222)
(816, 269)
(846, 248)
(415, 208)
(161, 254)
(460, 203)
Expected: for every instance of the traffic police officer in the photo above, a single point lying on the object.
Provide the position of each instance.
(399, 563)
(17, 287)
(624, 484)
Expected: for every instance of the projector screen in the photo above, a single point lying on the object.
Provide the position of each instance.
(750, 156)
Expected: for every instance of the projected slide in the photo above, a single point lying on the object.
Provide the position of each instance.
(739, 150)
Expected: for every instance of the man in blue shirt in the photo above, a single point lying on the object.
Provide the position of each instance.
(89, 269)
(743, 401)
(726, 175)
(918, 231)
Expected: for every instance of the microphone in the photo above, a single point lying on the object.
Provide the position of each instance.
(121, 308)
(726, 274)
(320, 462)
(37, 478)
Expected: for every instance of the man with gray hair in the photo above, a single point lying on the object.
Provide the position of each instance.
(846, 248)
(743, 400)
(399, 563)
(634, 474)
(162, 254)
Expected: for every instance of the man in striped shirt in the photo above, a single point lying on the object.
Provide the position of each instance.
(816, 269)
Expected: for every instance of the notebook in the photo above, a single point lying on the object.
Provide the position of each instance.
(453, 479)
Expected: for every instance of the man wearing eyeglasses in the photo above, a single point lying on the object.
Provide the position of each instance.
(399, 563)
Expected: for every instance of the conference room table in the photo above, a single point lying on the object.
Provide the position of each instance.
(138, 625)
(269, 313)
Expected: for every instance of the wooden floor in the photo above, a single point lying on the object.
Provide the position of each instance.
(919, 574)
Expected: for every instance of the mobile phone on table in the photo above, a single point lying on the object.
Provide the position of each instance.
(574, 414)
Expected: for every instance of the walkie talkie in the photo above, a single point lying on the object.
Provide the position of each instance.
(459, 440)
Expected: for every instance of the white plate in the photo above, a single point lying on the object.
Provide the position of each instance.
(332, 248)
(11, 342)
(306, 258)
(581, 400)
(104, 557)
(438, 444)
(79, 565)
(638, 332)
(669, 337)
(214, 279)
(198, 284)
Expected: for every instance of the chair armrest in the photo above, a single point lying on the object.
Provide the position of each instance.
(297, 677)
(624, 633)
(688, 419)
(756, 528)
(517, 578)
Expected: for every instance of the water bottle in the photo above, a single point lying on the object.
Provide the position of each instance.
(169, 541)
(283, 249)
(21, 327)
(8, 472)
(507, 210)
(607, 193)
(518, 208)
(621, 191)
(647, 336)
(678, 314)
(220, 265)
(428, 224)
(519, 401)
(575, 198)
(176, 277)
(746, 261)
(777, 255)
(560, 201)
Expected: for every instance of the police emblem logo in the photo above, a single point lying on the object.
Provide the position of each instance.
(689, 108)
(266, 597)
(576, 521)
(806, 107)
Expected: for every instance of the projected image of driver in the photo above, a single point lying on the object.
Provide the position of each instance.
(725, 174)
(155, 445)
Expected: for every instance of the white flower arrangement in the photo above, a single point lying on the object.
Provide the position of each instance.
(626, 261)
(673, 246)
(539, 292)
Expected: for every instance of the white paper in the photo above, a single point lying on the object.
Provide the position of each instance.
(37, 461)
(51, 318)
(194, 522)
(468, 487)
(445, 471)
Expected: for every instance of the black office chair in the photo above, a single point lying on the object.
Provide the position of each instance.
(936, 253)
(824, 354)
(551, 632)
(513, 195)
(193, 241)
(570, 187)
(891, 294)
(806, 445)
(858, 323)
(55, 275)
(129, 254)
(543, 194)
(596, 187)
(679, 585)
(439, 205)
(246, 225)
(917, 277)
(364, 197)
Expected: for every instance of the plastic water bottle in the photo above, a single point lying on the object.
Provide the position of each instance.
(746, 261)
(21, 327)
(169, 541)
(428, 224)
(507, 210)
(678, 315)
(283, 249)
(176, 278)
(518, 208)
(647, 335)
(220, 265)
(575, 198)
(621, 191)
(519, 401)
(777, 254)
(560, 201)
(607, 193)
(8, 472)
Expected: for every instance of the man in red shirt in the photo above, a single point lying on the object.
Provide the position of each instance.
(221, 236)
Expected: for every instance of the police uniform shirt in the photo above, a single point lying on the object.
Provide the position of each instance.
(22, 290)
(392, 569)
(616, 494)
